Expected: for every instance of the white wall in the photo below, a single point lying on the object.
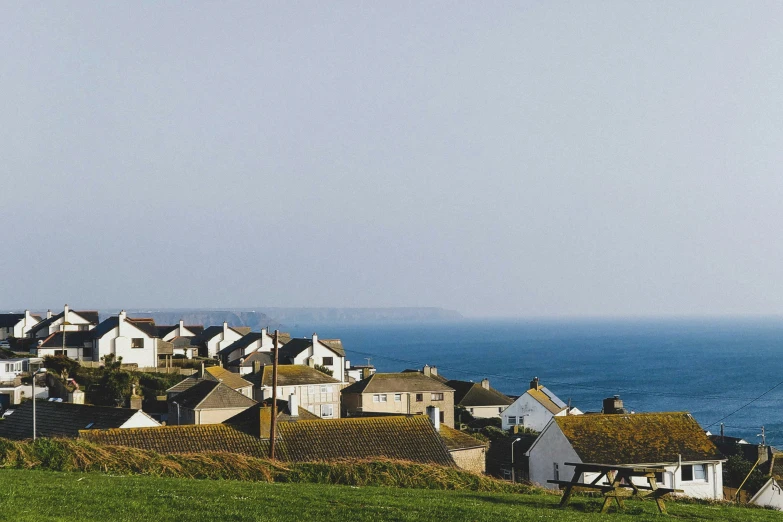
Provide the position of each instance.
(533, 413)
(120, 345)
(223, 340)
(551, 447)
(140, 420)
(317, 353)
(485, 412)
(770, 495)
(311, 397)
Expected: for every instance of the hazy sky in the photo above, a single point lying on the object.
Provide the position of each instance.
(498, 158)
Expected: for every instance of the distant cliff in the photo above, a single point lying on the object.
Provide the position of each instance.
(254, 320)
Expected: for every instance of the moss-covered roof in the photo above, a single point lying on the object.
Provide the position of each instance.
(641, 438)
(457, 440)
(230, 379)
(469, 394)
(293, 375)
(545, 400)
(182, 439)
(206, 395)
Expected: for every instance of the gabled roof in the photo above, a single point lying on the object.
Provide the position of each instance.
(292, 375)
(182, 439)
(241, 343)
(410, 438)
(456, 440)
(105, 326)
(233, 380)
(256, 419)
(249, 360)
(90, 316)
(167, 329)
(184, 384)
(61, 419)
(469, 394)
(10, 320)
(212, 331)
(547, 399)
(72, 339)
(641, 438)
(144, 324)
(297, 345)
(397, 382)
(206, 395)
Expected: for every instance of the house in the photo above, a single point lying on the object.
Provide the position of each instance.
(672, 441)
(479, 399)
(181, 386)
(262, 341)
(215, 338)
(316, 391)
(207, 402)
(257, 419)
(183, 338)
(328, 353)
(408, 437)
(11, 382)
(63, 419)
(251, 363)
(468, 452)
(135, 340)
(771, 493)
(69, 321)
(535, 408)
(74, 345)
(17, 325)
(357, 372)
(407, 392)
(232, 380)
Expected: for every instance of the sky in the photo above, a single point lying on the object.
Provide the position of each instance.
(513, 159)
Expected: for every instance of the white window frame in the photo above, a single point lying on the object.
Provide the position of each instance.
(327, 411)
(397, 397)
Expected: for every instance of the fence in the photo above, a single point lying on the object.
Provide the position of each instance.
(730, 493)
(145, 369)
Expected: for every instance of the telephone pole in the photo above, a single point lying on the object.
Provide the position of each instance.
(273, 422)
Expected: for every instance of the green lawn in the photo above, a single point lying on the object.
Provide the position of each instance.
(46, 495)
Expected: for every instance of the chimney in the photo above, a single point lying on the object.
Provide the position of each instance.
(293, 405)
(28, 317)
(225, 330)
(121, 322)
(485, 384)
(48, 314)
(433, 412)
(66, 309)
(315, 341)
(763, 453)
(366, 373)
(613, 405)
(76, 396)
(256, 366)
(181, 327)
(534, 383)
(135, 400)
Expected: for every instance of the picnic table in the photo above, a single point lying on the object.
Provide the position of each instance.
(619, 484)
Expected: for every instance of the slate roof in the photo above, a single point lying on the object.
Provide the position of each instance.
(396, 382)
(437, 377)
(184, 384)
(211, 331)
(105, 326)
(10, 320)
(233, 380)
(297, 345)
(72, 339)
(292, 375)
(212, 395)
(61, 419)
(146, 325)
(469, 394)
(241, 343)
(167, 329)
(182, 439)
(248, 361)
(410, 438)
(641, 438)
(456, 440)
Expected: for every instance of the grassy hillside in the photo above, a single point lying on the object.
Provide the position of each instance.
(32, 495)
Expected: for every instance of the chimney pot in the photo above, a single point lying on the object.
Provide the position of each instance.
(293, 405)
(433, 412)
(534, 384)
(485, 384)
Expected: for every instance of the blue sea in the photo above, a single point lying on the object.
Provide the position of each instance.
(720, 370)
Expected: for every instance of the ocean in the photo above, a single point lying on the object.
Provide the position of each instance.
(719, 370)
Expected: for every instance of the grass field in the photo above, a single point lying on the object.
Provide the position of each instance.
(31, 495)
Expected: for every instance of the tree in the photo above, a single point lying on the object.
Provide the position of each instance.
(61, 365)
(115, 384)
(736, 469)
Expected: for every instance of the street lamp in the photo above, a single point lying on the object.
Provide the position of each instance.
(513, 476)
(177, 405)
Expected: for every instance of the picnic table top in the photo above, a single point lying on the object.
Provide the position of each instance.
(633, 469)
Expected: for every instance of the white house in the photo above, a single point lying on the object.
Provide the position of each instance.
(135, 340)
(215, 338)
(169, 332)
(68, 320)
(672, 441)
(479, 399)
(771, 493)
(74, 345)
(316, 352)
(262, 341)
(17, 325)
(535, 408)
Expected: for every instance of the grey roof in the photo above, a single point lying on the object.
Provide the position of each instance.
(91, 316)
(9, 320)
(145, 325)
(72, 339)
(296, 346)
(106, 326)
(474, 394)
(61, 419)
(241, 343)
(248, 361)
(212, 395)
(184, 384)
(291, 375)
(397, 382)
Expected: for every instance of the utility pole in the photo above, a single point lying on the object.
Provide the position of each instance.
(273, 421)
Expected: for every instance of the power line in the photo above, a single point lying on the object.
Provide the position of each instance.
(585, 386)
(745, 405)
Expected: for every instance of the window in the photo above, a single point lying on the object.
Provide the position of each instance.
(328, 361)
(323, 389)
(60, 352)
(311, 390)
(694, 472)
(442, 416)
(512, 420)
(379, 397)
(556, 470)
(471, 410)
(327, 410)
(397, 397)
(437, 396)
(87, 352)
(419, 397)
(659, 477)
(137, 342)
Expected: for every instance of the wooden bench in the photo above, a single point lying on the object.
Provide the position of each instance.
(620, 484)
